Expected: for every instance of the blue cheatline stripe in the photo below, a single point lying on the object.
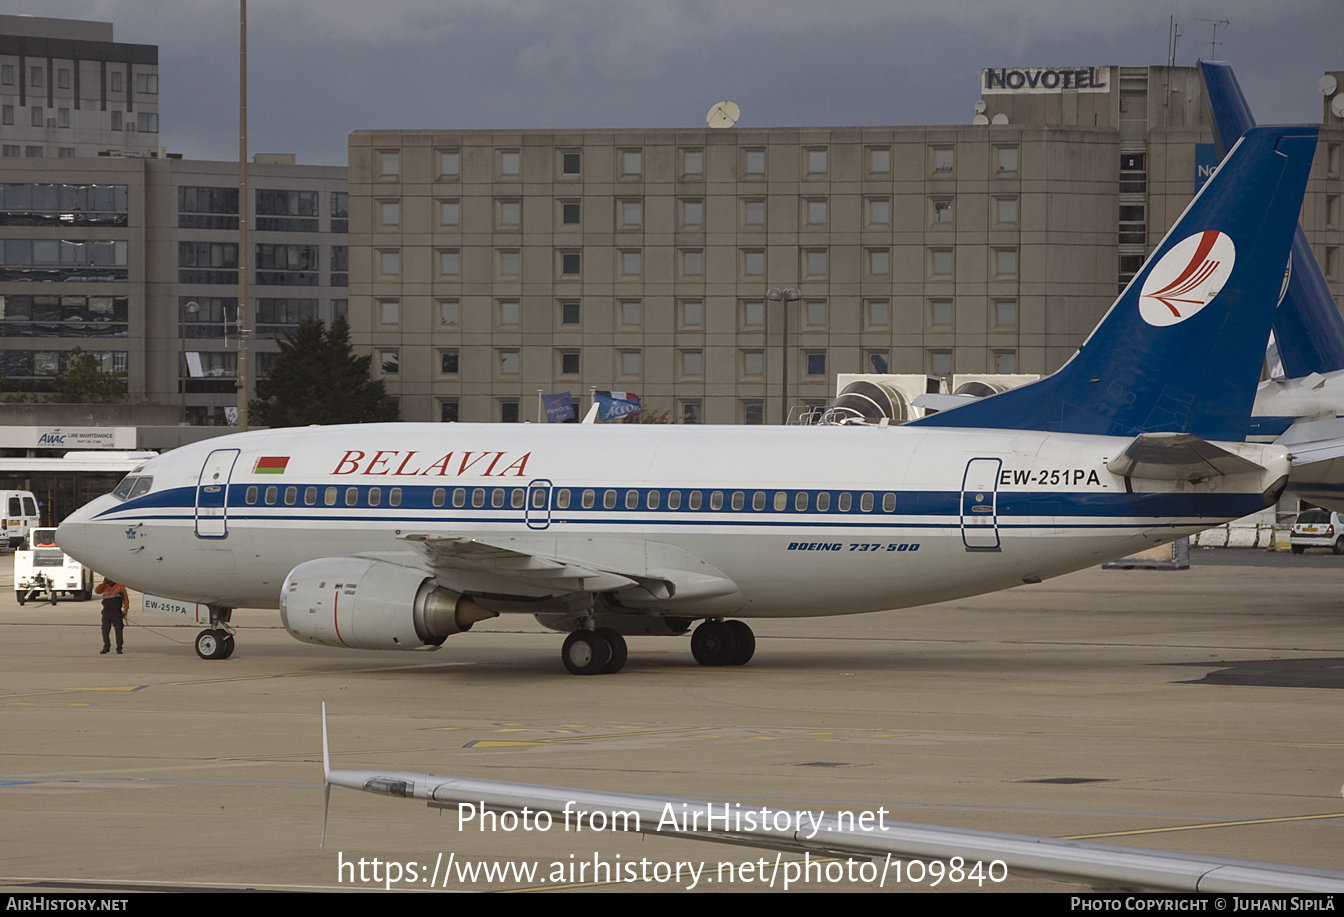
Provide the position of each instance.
(417, 500)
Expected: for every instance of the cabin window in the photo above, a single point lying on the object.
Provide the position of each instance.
(609, 500)
(518, 498)
(562, 498)
(251, 495)
(142, 486)
(654, 499)
(800, 502)
(716, 500)
(330, 496)
(674, 499)
(695, 499)
(375, 496)
(781, 501)
(866, 503)
(823, 502)
(310, 496)
(632, 499)
(588, 499)
(291, 496)
(394, 497)
(478, 497)
(351, 496)
(497, 497)
(888, 503)
(846, 500)
(758, 501)
(272, 493)
(739, 500)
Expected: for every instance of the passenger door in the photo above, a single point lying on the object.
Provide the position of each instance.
(212, 494)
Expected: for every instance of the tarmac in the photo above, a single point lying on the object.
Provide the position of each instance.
(1186, 711)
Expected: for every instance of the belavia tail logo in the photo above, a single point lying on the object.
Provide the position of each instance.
(1187, 278)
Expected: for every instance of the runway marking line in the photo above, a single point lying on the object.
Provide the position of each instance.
(1215, 824)
(505, 743)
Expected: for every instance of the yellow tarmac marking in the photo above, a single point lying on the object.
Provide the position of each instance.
(505, 743)
(72, 690)
(1215, 824)
(317, 756)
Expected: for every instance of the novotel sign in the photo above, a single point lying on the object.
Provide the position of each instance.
(1046, 79)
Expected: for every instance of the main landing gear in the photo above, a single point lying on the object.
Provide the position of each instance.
(723, 643)
(594, 652)
(216, 641)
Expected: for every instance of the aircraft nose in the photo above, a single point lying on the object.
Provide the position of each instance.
(72, 534)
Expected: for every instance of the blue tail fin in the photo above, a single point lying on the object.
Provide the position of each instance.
(1182, 347)
(1308, 328)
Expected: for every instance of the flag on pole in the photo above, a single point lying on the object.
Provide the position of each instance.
(559, 407)
(613, 405)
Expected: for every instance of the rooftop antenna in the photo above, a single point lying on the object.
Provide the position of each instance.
(1213, 45)
(1173, 36)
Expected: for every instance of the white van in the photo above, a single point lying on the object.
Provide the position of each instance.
(18, 516)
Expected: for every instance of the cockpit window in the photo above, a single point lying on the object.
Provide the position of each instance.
(124, 488)
(133, 486)
(142, 486)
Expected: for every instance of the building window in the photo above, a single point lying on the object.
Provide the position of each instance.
(65, 152)
(1005, 312)
(450, 213)
(753, 413)
(569, 213)
(569, 363)
(508, 412)
(8, 115)
(1133, 224)
(816, 162)
(693, 264)
(690, 412)
(816, 212)
(753, 314)
(450, 263)
(692, 162)
(692, 363)
(63, 79)
(510, 312)
(1006, 210)
(390, 212)
(942, 211)
(389, 263)
(116, 120)
(630, 363)
(816, 314)
(390, 361)
(632, 213)
(879, 262)
(879, 160)
(940, 363)
(569, 313)
(390, 312)
(942, 162)
(755, 162)
(816, 263)
(7, 74)
(11, 150)
(816, 364)
(62, 117)
(35, 76)
(450, 312)
(508, 362)
(37, 114)
(510, 213)
(630, 264)
(630, 314)
(753, 363)
(147, 83)
(569, 164)
(1133, 173)
(389, 163)
(879, 313)
(692, 213)
(941, 313)
(879, 213)
(1005, 362)
(1129, 266)
(753, 213)
(113, 80)
(509, 162)
(448, 411)
(340, 310)
(569, 263)
(632, 162)
(1007, 159)
(510, 264)
(941, 261)
(450, 163)
(1005, 261)
(753, 263)
(877, 359)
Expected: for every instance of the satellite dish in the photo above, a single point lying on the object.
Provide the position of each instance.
(979, 119)
(979, 106)
(1327, 85)
(1000, 118)
(1337, 106)
(723, 114)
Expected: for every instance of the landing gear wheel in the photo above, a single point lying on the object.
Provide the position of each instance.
(619, 651)
(585, 653)
(210, 644)
(714, 643)
(228, 646)
(746, 642)
(1297, 549)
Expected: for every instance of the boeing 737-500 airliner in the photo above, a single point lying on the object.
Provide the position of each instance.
(397, 536)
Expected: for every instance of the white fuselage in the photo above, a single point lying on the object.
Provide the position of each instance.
(802, 521)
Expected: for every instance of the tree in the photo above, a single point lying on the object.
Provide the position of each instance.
(317, 378)
(86, 382)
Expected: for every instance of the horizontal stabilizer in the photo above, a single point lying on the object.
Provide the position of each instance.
(1320, 451)
(1177, 457)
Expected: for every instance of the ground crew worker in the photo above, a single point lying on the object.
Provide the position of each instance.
(115, 605)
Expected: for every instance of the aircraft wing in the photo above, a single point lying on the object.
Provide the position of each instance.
(447, 552)
(1177, 457)
(826, 834)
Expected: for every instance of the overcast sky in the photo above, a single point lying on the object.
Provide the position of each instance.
(320, 69)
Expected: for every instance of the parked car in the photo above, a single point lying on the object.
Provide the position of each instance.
(1317, 528)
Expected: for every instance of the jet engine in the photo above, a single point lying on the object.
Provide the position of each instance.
(372, 605)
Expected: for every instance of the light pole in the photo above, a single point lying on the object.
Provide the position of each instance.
(785, 296)
(242, 216)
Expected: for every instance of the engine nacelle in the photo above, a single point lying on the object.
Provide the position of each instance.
(373, 605)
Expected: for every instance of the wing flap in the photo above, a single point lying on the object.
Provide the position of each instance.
(451, 552)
